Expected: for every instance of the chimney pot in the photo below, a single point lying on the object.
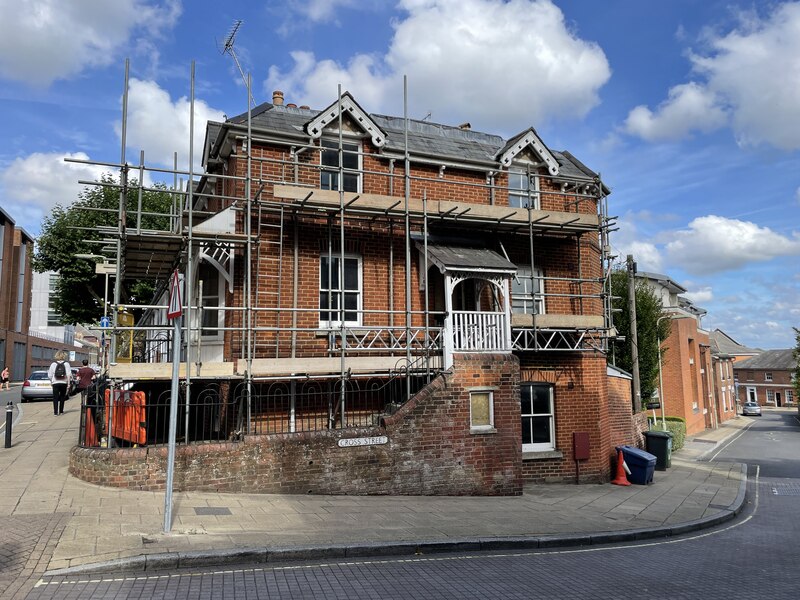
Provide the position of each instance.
(305, 106)
(466, 126)
(277, 98)
(291, 105)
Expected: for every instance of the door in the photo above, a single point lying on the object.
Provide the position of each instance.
(778, 399)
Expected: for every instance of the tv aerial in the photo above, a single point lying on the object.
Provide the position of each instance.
(227, 48)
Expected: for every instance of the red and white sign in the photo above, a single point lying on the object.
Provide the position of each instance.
(175, 308)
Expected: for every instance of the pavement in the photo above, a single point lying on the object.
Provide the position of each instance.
(55, 524)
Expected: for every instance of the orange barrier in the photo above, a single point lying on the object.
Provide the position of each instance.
(90, 432)
(128, 420)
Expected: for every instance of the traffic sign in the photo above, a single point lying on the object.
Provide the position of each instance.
(175, 306)
(105, 322)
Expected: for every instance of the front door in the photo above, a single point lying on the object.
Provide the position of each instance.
(778, 398)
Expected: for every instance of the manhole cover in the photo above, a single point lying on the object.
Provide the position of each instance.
(786, 489)
(211, 510)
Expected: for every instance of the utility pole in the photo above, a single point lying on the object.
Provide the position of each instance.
(637, 386)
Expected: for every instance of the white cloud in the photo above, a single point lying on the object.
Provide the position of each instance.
(45, 40)
(322, 10)
(700, 295)
(749, 74)
(471, 60)
(756, 68)
(160, 126)
(690, 107)
(628, 240)
(33, 185)
(712, 244)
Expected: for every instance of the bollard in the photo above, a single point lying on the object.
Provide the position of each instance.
(9, 418)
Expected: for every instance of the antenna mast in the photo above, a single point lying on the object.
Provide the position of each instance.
(227, 48)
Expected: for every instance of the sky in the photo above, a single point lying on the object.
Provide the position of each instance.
(689, 109)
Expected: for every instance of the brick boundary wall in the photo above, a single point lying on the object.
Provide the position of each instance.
(431, 450)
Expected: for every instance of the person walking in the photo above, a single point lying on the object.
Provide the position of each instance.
(85, 377)
(4, 377)
(59, 374)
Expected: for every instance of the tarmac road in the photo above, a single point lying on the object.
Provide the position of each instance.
(753, 556)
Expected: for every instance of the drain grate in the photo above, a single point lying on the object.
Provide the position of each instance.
(786, 489)
(211, 510)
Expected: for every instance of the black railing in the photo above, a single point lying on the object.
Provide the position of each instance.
(115, 417)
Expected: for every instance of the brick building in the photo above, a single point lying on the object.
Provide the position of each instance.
(15, 296)
(767, 378)
(380, 305)
(725, 352)
(688, 388)
(21, 349)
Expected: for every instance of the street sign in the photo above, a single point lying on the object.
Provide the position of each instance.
(105, 322)
(105, 268)
(175, 308)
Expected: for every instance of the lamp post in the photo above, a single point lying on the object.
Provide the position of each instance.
(105, 268)
(660, 380)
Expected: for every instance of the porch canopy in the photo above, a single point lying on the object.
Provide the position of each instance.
(470, 262)
(486, 328)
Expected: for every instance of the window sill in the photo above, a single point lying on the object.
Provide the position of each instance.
(542, 455)
(481, 430)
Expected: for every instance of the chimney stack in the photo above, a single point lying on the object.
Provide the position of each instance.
(465, 126)
(277, 98)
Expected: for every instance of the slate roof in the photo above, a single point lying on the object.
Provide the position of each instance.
(778, 360)
(722, 343)
(424, 137)
(460, 258)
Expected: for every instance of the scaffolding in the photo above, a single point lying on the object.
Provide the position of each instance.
(271, 337)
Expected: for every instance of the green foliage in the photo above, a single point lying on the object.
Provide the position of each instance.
(79, 293)
(648, 329)
(676, 426)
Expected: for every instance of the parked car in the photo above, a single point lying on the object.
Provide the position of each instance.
(37, 386)
(751, 409)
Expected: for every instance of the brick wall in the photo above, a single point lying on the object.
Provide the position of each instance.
(581, 399)
(430, 450)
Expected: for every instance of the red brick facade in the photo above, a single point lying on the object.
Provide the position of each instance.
(431, 450)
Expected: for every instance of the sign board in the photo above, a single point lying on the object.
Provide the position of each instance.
(175, 306)
(653, 405)
(105, 322)
(105, 268)
(363, 441)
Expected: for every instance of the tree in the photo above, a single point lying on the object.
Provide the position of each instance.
(796, 374)
(648, 329)
(79, 293)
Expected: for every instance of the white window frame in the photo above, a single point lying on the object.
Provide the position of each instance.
(483, 428)
(328, 175)
(519, 195)
(211, 336)
(789, 395)
(524, 299)
(335, 257)
(770, 396)
(767, 376)
(53, 317)
(539, 446)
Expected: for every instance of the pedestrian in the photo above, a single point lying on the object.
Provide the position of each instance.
(59, 374)
(85, 377)
(4, 377)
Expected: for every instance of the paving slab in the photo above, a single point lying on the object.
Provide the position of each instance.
(124, 527)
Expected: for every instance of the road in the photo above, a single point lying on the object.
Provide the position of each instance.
(755, 556)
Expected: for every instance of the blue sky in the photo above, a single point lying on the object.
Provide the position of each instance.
(690, 109)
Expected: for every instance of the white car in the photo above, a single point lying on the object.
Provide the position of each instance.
(751, 409)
